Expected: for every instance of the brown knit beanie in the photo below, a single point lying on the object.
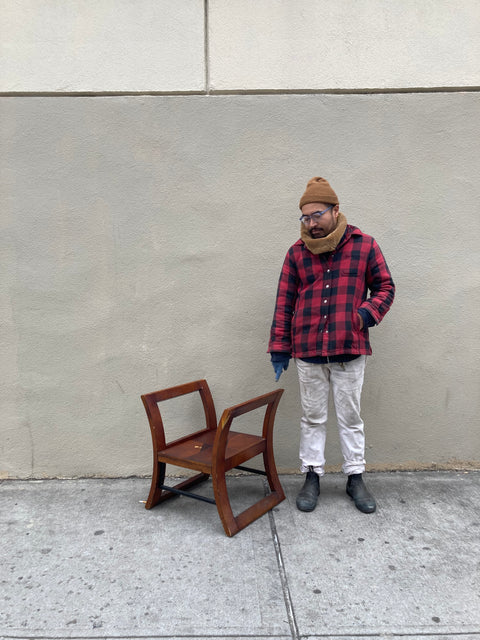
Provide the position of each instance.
(318, 190)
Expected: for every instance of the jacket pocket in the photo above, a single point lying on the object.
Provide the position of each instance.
(356, 322)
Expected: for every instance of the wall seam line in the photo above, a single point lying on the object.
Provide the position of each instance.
(234, 92)
(206, 47)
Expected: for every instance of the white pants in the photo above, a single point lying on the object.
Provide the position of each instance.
(346, 381)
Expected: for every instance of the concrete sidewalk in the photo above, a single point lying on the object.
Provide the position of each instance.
(84, 559)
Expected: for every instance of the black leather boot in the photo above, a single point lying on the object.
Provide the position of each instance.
(356, 489)
(308, 496)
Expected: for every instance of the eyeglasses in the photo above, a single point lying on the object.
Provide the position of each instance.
(314, 217)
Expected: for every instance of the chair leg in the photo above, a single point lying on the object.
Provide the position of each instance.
(158, 478)
(233, 524)
(157, 494)
(224, 507)
(272, 475)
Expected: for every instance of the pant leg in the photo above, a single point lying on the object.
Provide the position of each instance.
(347, 382)
(314, 381)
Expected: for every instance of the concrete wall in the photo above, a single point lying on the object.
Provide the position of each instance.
(142, 235)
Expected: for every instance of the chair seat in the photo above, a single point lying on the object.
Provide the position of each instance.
(196, 451)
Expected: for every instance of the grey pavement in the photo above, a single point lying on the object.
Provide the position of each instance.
(84, 559)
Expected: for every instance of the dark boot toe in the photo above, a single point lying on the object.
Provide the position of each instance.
(366, 506)
(358, 492)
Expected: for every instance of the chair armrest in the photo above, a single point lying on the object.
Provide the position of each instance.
(270, 400)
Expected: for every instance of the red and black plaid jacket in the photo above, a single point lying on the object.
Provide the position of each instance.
(319, 295)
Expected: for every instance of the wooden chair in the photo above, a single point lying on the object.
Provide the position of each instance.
(213, 451)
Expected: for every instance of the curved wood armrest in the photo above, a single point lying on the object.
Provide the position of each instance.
(151, 400)
(250, 405)
(270, 400)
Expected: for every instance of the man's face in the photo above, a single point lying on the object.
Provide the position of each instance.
(327, 222)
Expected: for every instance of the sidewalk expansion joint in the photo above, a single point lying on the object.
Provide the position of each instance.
(283, 575)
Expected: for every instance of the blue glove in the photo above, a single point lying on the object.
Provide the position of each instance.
(280, 362)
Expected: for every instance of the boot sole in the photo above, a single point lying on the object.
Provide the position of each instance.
(306, 509)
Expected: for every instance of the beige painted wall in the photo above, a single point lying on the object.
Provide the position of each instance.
(343, 44)
(101, 45)
(160, 45)
(142, 238)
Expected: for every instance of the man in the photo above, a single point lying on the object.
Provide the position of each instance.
(322, 315)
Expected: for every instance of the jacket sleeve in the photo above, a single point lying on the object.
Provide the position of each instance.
(380, 284)
(280, 334)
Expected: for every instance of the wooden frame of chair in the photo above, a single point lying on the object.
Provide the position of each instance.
(213, 451)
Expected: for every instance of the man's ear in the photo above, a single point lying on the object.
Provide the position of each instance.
(336, 209)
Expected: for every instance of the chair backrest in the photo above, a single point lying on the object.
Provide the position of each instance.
(151, 400)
